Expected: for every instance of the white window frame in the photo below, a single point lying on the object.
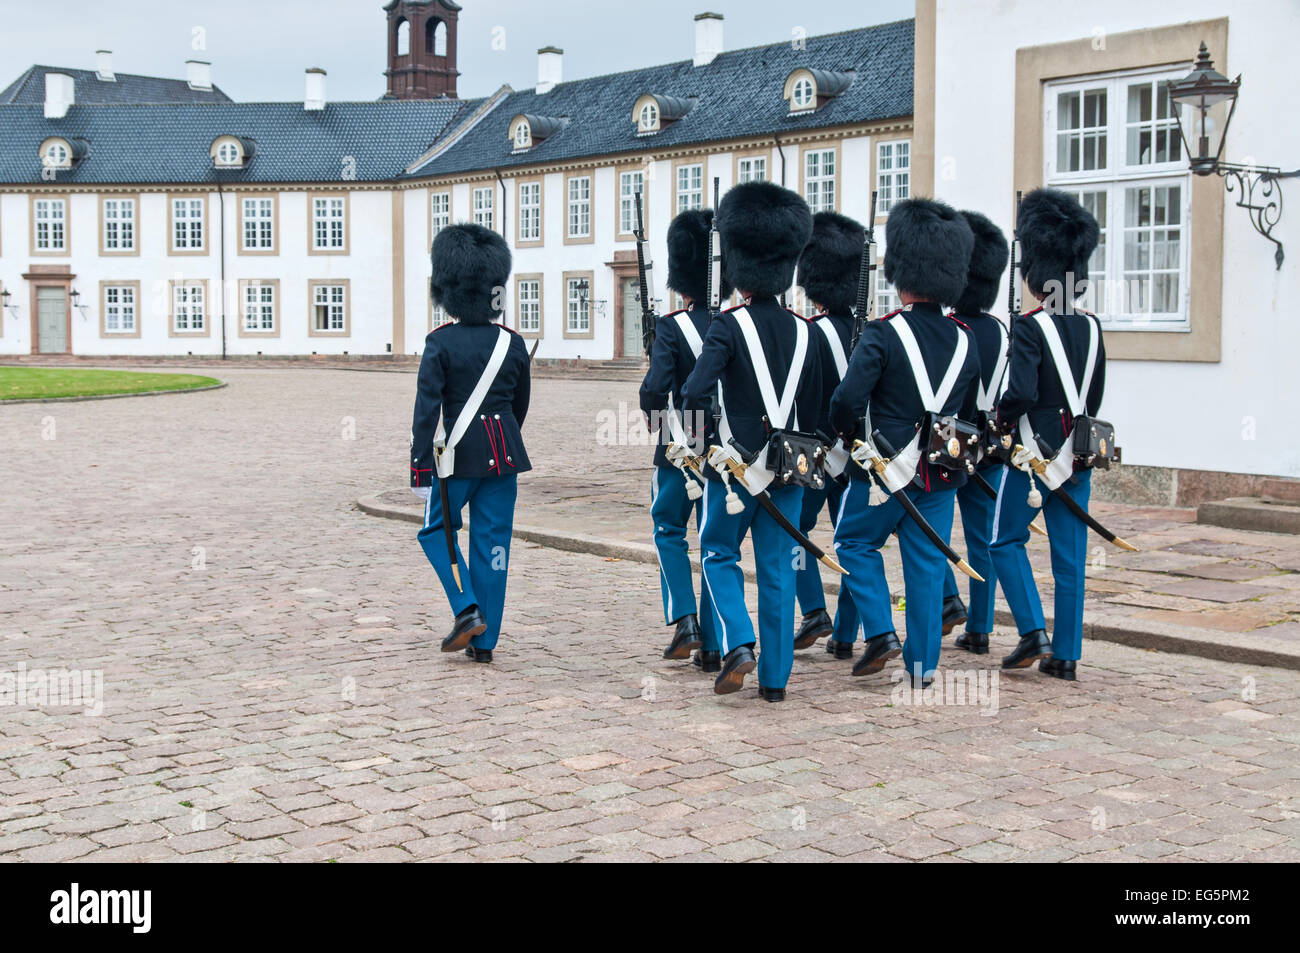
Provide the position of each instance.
(119, 225)
(483, 202)
(189, 308)
(577, 205)
(229, 154)
(259, 303)
(1114, 289)
(258, 215)
(121, 309)
(438, 317)
(745, 169)
(690, 196)
(56, 156)
(528, 307)
(577, 312)
(439, 212)
(887, 300)
(523, 136)
(819, 189)
(530, 211)
(188, 224)
(51, 224)
(648, 120)
(807, 101)
(329, 226)
(334, 299)
(893, 173)
(629, 183)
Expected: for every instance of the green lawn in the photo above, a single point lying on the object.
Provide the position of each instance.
(25, 383)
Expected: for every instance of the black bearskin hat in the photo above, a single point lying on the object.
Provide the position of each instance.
(987, 262)
(471, 265)
(1057, 237)
(688, 255)
(927, 249)
(763, 228)
(830, 265)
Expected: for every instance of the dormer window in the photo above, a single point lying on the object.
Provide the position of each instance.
(529, 131)
(653, 113)
(810, 89)
(59, 153)
(231, 152)
(523, 136)
(57, 156)
(228, 154)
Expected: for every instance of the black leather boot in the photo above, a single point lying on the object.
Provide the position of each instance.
(876, 652)
(738, 663)
(976, 642)
(468, 624)
(815, 625)
(771, 694)
(954, 613)
(686, 639)
(707, 661)
(1033, 646)
(841, 650)
(479, 655)
(1058, 668)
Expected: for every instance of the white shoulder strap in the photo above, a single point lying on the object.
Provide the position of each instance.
(476, 396)
(692, 336)
(837, 346)
(778, 412)
(984, 400)
(932, 401)
(1077, 399)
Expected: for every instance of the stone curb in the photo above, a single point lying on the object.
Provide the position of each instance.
(143, 393)
(1238, 648)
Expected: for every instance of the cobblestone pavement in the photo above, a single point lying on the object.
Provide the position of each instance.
(271, 684)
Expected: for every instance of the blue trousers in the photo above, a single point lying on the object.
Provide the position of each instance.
(1069, 541)
(491, 503)
(775, 556)
(808, 579)
(977, 524)
(671, 510)
(862, 531)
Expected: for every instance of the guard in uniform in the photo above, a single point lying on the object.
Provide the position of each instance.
(1057, 371)
(759, 365)
(471, 400)
(987, 263)
(913, 361)
(678, 339)
(829, 270)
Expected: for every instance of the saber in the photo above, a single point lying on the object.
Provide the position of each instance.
(765, 500)
(448, 533)
(1039, 466)
(877, 465)
(992, 494)
(713, 252)
(532, 352)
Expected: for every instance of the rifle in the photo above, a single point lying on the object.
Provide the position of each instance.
(713, 281)
(1000, 448)
(648, 318)
(862, 309)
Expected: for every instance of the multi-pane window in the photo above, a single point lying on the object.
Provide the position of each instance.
(259, 224)
(648, 120)
(530, 306)
(259, 308)
(483, 206)
(439, 317)
(893, 173)
(578, 311)
(530, 211)
(439, 212)
(579, 206)
(189, 308)
(819, 179)
(187, 224)
(887, 299)
(329, 308)
(803, 94)
(629, 184)
(119, 225)
(328, 223)
(119, 309)
(1112, 143)
(752, 169)
(690, 187)
(51, 224)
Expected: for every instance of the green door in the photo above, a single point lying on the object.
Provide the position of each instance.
(631, 318)
(52, 320)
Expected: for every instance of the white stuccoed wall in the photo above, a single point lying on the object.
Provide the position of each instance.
(1182, 415)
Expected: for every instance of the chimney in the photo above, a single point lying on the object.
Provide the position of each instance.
(550, 68)
(104, 66)
(60, 94)
(315, 99)
(198, 73)
(708, 37)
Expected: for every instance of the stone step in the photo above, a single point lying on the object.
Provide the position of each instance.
(1282, 490)
(1252, 513)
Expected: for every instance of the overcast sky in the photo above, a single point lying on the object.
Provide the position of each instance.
(259, 48)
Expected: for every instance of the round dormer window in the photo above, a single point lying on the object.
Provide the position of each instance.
(56, 155)
(523, 136)
(649, 118)
(803, 94)
(228, 154)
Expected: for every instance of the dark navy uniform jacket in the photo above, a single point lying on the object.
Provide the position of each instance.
(725, 358)
(1033, 385)
(843, 324)
(671, 362)
(455, 356)
(879, 373)
(988, 332)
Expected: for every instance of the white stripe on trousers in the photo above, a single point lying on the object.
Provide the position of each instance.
(713, 602)
(663, 576)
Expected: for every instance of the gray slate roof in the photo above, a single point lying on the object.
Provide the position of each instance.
(169, 143)
(738, 95)
(29, 88)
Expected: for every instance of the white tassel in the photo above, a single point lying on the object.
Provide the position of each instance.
(1035, 498)
(734, 506)
(693, 490)
(877, 495)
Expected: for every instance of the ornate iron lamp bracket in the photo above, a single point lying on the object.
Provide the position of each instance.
(1258, 190)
